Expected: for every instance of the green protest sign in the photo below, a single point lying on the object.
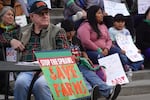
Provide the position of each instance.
(62, 74)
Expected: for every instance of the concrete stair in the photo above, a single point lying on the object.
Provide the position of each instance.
(140, 84)
(56, 15)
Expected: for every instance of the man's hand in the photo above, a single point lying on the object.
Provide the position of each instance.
(16, 44)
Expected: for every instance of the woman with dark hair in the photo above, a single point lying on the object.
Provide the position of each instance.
(85, 65)
(94, 35)
(143, 34)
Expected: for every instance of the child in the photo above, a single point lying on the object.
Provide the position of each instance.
(118, 29)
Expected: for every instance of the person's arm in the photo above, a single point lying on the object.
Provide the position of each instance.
(108, 39)
(72, 6)
(13, 39)
(85, 36)
(95, 2)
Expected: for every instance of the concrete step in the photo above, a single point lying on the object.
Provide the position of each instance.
(136, 87)
(57, 11)
(56, 19)
(139, 85)
(132, 97)
(141, 75)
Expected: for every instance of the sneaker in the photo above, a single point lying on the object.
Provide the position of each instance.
(77, 16)
(115, 92)
(95, 94)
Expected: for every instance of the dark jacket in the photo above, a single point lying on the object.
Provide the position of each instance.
(143, 36)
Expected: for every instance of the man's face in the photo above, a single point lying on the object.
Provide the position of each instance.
(42, 18)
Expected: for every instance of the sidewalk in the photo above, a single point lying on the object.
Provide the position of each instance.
(132, 97)
(135, 97)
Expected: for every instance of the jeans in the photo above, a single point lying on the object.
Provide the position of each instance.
(40, 89)
(124, 59)
(93, 79)
(93, 55)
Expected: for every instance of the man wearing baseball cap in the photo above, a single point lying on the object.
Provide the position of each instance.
(38, 6)
(38, 35)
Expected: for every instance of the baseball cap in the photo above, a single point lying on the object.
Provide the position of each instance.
(38, 6)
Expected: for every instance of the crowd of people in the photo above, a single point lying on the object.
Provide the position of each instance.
(83, 28)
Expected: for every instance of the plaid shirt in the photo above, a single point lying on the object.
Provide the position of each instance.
(33, 45)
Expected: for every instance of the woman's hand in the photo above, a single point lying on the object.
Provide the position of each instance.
(16, 44)
(105, 52)
(123, 51)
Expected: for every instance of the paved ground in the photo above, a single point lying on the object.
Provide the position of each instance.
(133, 97)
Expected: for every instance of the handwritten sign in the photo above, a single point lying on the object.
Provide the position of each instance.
(62, 74)
(11, 55)
(125, 43)
(143, 6)
(114, 70)
(113, 8)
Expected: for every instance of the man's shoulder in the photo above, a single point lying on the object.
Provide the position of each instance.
(55, 28)
(29, 26)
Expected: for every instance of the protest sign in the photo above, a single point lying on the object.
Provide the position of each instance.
(125, 43)
(62, 74)
(114, 70)
(113, 8)
(143, 6)
(11, 54)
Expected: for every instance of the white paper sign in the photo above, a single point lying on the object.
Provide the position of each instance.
(21, 20)
(114, 70)
(11, 55)
(113, 8)
(143, 5)
(125, 43)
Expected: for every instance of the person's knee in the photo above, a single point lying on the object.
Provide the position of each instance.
(41, 84)
(21, 83)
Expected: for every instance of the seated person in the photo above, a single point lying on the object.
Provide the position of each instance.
(94, 35)
(107, 91)
(9, 33)
(118, 28)
(142, 35)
